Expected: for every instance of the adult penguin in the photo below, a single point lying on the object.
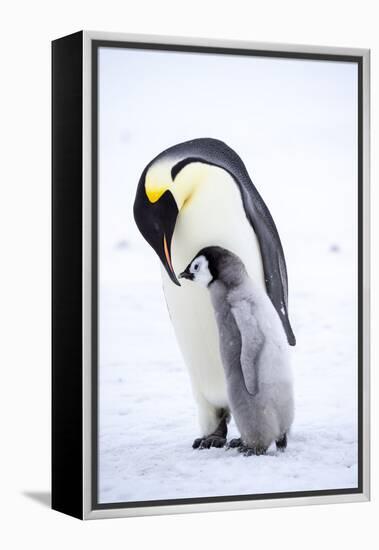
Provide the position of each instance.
(193, 195)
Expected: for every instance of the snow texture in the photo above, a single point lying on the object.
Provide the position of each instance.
(294, 124)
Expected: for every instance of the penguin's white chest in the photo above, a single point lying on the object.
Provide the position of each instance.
(213, 216)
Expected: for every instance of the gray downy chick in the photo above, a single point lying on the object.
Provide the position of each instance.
(254, 350)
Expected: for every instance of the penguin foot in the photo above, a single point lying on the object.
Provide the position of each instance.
(281, 444)
(245, 449)
(208, 442)
(234, 443)
(217, 438)
(250, 451)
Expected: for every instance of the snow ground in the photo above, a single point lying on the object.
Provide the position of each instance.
(148, 417)
(300, 149)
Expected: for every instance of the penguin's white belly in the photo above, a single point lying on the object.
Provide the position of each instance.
(213, 216)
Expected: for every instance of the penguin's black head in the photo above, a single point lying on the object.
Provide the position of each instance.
(167, 185)
(211, 264)
(156, 221)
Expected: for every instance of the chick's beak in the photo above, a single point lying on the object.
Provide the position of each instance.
(186, 275)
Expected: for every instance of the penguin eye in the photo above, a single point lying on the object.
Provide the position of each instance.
(196, 267)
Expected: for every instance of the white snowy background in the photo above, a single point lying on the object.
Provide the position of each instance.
(294, 123)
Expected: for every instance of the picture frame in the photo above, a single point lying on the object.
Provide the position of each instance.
(76, 207)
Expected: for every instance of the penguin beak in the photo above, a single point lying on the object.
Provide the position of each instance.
(156, 222)
(186, 275)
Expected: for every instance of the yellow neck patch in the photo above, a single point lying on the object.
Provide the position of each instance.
(158, 181)
(155, 194)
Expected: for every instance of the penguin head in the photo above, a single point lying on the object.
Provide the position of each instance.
(215, 263)
(198, 271)
(168, 184)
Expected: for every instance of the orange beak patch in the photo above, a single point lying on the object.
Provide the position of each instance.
(167, 253)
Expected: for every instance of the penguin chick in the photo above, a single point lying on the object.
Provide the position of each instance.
(253, 347)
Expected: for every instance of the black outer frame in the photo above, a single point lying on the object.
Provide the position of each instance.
(67, 181)
(67, 236)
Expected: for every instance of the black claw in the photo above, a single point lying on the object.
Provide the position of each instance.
(205, 444)
(196, 444)
(235, 443)
(208, 442)
(218, 442)
(242, 449)
(252, 451)
(281, 444)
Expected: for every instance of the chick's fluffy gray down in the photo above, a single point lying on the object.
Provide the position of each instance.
(255, 356)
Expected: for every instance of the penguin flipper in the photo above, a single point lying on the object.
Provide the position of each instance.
(274, 264)
(252, 343)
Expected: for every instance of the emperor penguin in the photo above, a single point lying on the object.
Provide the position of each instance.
(193, 195)
(253, 348)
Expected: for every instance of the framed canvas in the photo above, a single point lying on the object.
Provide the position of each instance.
(210, 275)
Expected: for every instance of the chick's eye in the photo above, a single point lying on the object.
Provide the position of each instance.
(196, 267)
